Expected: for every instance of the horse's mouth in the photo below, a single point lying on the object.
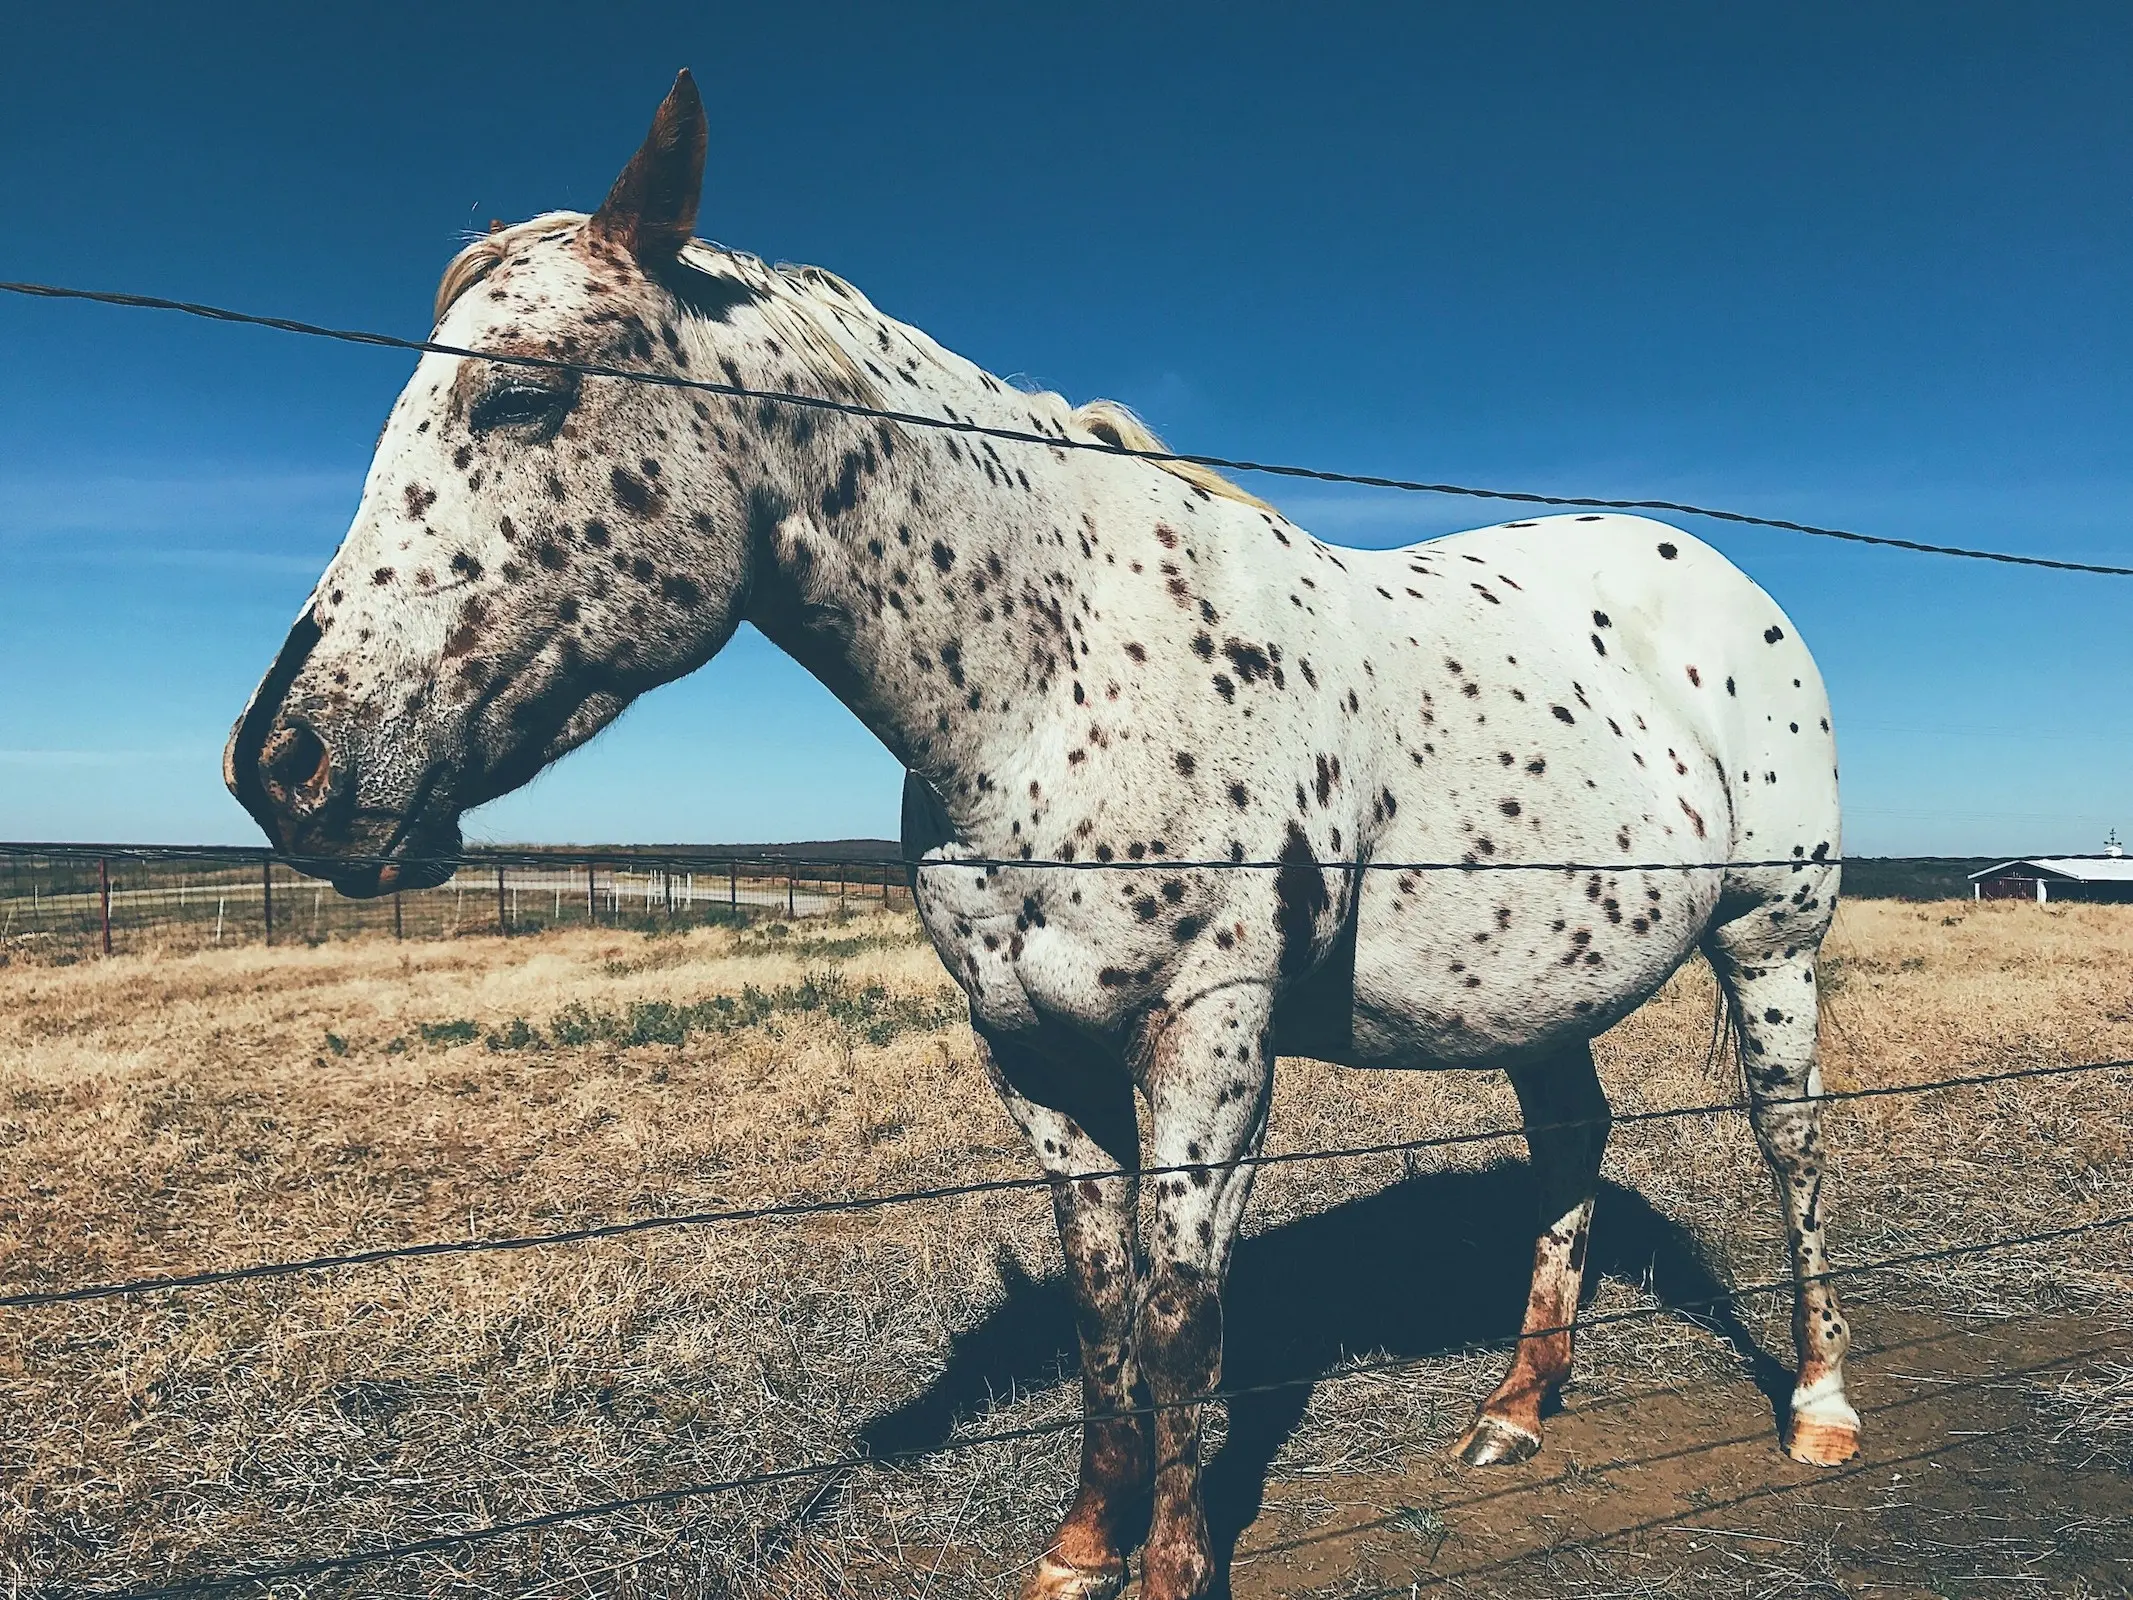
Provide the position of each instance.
(420, 852)
(367, 880)
(413, 861)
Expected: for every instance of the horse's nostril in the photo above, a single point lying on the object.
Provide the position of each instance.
(296, 767)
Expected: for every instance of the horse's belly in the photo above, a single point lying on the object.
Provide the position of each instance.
(1449, 972)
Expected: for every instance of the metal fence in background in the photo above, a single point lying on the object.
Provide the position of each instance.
(63, 902)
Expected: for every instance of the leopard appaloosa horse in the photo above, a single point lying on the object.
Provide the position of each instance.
(1084, 657)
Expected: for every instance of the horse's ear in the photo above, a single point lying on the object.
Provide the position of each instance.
(651, 210)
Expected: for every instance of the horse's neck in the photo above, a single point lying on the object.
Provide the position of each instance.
(903, 559)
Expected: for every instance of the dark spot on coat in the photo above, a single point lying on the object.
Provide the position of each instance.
(1328, 774)
(1250, 661)
(1300, 900)
(632, 493)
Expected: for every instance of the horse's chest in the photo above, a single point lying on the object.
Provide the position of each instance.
(1002, 947)
(1033, 954)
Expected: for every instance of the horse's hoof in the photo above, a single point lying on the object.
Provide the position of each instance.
(1055, 1580)
(1822, 1444)
(1493, 1442)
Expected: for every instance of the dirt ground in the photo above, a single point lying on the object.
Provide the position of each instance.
(1677, 1490)
(186, 1111)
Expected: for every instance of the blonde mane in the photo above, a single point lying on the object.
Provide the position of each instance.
(798, 298)
(1115, 424)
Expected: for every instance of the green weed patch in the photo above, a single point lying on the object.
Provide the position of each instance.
(866, 1012)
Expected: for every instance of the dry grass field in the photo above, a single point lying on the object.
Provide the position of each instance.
(195, 1110)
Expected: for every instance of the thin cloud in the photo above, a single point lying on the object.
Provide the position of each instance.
(131, 506)
(92, 758)
(151, 555)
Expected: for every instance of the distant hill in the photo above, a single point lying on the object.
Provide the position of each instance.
(1865, 877)
(799, 850)
(1912, 877)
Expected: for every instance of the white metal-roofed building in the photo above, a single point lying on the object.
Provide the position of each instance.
(2047, 878)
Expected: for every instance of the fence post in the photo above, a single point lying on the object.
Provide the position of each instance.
(266, 895)
(789, 911)
(592, 902)
(733, 884)
(840, 891)
(884, 883)
(666, 881)
(503, 917)
(397, 933)
(103, 886)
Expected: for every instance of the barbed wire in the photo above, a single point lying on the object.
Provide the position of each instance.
(637, 858)
(860, 1460)
(640, 859)
(913, 419)
(504, 856)
(783, 1210)
(327, 866)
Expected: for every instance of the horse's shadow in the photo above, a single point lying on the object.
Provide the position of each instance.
(1424, 1267)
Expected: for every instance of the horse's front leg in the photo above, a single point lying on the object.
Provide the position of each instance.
(1080, 1118)
(1207, 1069)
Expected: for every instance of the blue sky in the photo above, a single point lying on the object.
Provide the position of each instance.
(1862, 264)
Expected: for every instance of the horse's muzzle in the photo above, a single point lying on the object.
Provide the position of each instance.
(292, 764)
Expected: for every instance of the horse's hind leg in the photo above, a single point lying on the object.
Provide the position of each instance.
(1766, 963)
(1082, 1121)
(1566, 1133)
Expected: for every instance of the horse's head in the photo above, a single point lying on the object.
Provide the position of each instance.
(534, 547)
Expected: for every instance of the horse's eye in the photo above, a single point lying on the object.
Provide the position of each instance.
(520, 404)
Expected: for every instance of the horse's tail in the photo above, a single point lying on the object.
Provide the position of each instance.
(1725, 1035)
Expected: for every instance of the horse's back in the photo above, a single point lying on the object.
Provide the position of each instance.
(1691, 643)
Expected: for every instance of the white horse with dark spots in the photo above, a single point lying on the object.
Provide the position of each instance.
(1084, 657)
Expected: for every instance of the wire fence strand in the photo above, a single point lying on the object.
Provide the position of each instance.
(1151, 861)
(913, 419)
(438, 1543)
(787, 1210)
